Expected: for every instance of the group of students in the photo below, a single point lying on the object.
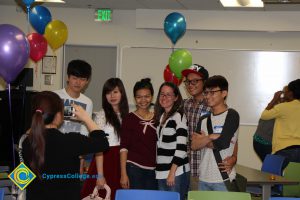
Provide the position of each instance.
(168, 148)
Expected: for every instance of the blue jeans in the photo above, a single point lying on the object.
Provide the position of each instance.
(291, 154)
(181, 184)
(205, 186)
(140, 178)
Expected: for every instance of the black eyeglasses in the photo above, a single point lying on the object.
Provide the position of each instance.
(193, 82)
(167, 95)
(212, 92)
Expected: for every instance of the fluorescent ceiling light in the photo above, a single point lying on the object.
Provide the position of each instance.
(51, 1)
(242, 3)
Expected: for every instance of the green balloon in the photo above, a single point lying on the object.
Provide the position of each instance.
(179, 60)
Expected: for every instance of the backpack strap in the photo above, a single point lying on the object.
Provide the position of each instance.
(23, 137)
(216, 152)
(198, 127)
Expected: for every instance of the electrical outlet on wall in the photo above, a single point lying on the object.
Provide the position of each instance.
(48, 79)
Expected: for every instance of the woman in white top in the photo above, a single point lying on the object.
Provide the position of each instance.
(107, 165)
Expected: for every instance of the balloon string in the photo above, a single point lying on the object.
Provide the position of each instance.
(11, 125)
(173, 73)
(36, 70)
(28, 26)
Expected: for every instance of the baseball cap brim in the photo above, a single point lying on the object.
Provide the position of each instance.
(188, 71)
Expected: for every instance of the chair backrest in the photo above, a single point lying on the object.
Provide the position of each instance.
(1, 193)
(132, 194)
(284, 198)
(292, 172)
(218, 195)
(273, 164)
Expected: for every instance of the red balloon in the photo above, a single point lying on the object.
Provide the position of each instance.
(169, 76)
(38, 46)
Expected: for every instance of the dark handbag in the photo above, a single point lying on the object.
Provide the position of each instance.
(240, 182)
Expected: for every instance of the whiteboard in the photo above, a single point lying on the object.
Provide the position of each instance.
(253, 76)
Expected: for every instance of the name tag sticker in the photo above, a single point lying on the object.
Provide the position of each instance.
(218, 129)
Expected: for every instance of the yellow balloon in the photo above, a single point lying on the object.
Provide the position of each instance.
(56, 34)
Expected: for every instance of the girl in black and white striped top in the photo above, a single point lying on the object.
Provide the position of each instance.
(172, 170)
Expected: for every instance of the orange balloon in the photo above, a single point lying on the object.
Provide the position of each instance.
(56, 33)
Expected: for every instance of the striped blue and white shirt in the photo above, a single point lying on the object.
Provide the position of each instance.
(172, 146)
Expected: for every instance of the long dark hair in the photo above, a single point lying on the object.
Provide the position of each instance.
(177, 107)
(110, 115)
(294, 87)
(45, 105)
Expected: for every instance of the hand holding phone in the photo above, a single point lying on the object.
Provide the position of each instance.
(69, 111)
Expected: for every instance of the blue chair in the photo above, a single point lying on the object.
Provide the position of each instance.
(272, 164)
(1, 193)
(132, 194)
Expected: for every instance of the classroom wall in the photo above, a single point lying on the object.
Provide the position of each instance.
(122, 32)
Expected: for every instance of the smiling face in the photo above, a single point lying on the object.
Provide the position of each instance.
(215, 97)
(114, 97)
(167, 98)
(194, 84)
(143, 98)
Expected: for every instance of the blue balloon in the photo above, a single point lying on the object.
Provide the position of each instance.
(28, 3)
(175, 26)
(39, 17)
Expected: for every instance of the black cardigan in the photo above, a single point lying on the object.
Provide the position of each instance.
(62, 153)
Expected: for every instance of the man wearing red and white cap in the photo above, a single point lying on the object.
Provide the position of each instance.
(194, 108)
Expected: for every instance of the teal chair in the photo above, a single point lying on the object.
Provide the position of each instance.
(132, 194)
(218, 195)
(292, 172)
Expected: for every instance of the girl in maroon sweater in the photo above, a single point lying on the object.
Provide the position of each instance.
(138, 141)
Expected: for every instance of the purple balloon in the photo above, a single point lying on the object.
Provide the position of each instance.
(14, 51)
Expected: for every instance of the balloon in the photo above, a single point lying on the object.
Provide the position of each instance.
(38, 46)
(56, 33)
(28, 3)
(179, 60)
(14, 51)
(170, 77)
(39, 17)
(175, 26)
